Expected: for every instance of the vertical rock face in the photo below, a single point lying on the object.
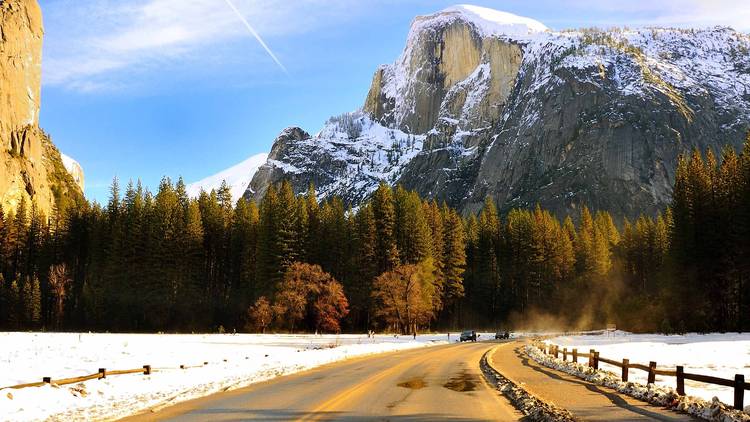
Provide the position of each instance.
(446, 59)
(30, 165)
(483, 103)
(20, 67)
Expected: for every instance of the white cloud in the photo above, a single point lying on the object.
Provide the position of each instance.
(105, 44)
(89, 44)
(678, 13)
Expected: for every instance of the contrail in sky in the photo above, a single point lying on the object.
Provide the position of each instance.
(256, 35)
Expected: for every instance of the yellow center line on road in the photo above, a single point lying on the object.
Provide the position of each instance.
(352, 392)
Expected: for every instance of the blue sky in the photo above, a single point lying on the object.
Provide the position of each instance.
(147, 88)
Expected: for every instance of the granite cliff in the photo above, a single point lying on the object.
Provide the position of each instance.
(31, 167)
(485, 103)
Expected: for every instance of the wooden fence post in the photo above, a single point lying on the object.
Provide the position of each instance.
(591, 358)
(739, 391)
(556, 350)
(47, 380)
(681, 380)
(625, 363)
(596, 360)
(575, 355)
(651, 372)
(565, 354)
(102, 373)
(146, 369)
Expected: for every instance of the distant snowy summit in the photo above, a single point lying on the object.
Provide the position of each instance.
(237, 177)
(483, 103)
(487, 22)
(75, 170)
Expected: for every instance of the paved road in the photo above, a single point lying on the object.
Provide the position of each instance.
(586, 401)
(433, 384)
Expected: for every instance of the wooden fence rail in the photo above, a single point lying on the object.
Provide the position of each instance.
(738, 383)
(102, 373)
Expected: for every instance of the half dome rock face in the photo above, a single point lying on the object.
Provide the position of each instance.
(459, 63)
(483, 103)
(31, 167)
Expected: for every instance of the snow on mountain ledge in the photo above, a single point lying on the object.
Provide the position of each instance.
(238, 178)
(491, 22)
(74, 168)
(481, 103)
(349, 157)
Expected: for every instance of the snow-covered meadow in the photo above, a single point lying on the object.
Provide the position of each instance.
(27, 357)
(719, 355)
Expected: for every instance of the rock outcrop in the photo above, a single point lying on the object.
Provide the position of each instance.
(483, 103)
(30, 165)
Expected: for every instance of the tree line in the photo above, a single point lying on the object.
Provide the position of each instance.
(168, 262)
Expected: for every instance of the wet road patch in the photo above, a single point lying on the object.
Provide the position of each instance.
(413, 384)
(462, 382)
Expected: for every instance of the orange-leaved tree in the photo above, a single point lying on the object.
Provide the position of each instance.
(309, 294)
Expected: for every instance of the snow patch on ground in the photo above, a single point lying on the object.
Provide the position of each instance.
(28, 357)
(720, 355)
(238, 177)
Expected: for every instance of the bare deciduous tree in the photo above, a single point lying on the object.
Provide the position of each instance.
(59, 281)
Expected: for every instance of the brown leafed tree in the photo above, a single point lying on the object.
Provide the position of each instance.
(406, 297)
(330, 306)
(307, 293)
(260, 315)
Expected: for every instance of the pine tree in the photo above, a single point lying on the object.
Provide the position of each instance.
(454, 256)
(366, 267)
(435, 221)
(385, 219)
(488, 269)
(267, 250)
(411, 227)
(287, 223)
(313, 252)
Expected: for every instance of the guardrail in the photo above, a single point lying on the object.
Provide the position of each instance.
(738, 383)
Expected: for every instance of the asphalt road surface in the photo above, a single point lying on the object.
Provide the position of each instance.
(430, 384)
(586, 401)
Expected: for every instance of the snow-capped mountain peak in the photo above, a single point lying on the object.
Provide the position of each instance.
(483, 103)
(491, 22)
(238, 177)
(74, 168)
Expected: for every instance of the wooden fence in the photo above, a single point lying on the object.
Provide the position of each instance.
(738, 383)
(102, 373)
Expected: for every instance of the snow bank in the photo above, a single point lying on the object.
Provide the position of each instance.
(27, 357)
(718, 355)
(714, 410)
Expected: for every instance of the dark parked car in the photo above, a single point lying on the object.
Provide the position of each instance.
(469, 336)
(500, 335)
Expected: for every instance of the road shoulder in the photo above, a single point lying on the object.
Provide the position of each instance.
(586, 401)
